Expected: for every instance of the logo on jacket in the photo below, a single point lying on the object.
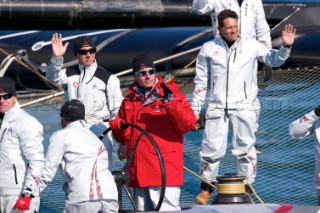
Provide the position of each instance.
(216, 53)
(142, 65)
(75, 83)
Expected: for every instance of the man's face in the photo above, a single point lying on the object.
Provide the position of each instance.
(230, 30)
(86, 56)
(7, 101)
(145, 77)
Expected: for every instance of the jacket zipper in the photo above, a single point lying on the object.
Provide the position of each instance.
(245, 90)
(15, 173)
(246, 9)
(227, 85)
(4, 131)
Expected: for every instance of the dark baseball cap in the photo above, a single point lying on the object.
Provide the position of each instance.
(141, 61)
(82, 41)
(73, 110)
(7, 85)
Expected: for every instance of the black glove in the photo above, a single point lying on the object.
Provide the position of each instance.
(168, 94)
(317, 111)
(268, 72)
(201, 121)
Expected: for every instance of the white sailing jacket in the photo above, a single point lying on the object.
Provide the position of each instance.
(252, 21)
(21, 152)
(84, 164)
(232, 73)
(309, 124)
(305, 126)
(101, 99)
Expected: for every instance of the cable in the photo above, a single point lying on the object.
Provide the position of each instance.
(42, 99)
(201, 178)
(33, 71)
(254, 192)
(236, 188)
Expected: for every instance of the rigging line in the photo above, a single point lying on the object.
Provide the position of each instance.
(42, 99)
(33, 71)
(198, 176)
(194, 37)
(185, 67)
(124, 72)
(286, 18)
(254, 192)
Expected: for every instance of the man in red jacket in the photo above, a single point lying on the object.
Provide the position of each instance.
(164, 112)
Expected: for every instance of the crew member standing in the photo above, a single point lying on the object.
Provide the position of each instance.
(229, 61)
(164, 112)
(252, 24)
(97, 88)
(21, 153)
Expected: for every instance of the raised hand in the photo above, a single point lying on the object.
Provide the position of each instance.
(288, 35)
(58, 48)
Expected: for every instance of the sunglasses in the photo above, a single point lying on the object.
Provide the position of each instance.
(6, 96)
(144, 73)
(84, 52)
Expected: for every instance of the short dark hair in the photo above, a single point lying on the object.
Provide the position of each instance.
(224, 14)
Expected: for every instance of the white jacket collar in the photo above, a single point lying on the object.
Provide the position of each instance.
(89, 69)
(13, 110)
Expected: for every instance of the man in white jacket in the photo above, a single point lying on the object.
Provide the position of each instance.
(97, 88)
(229, 61)
(252, 24)
(21, 153)
(83, 159)
(309, 124)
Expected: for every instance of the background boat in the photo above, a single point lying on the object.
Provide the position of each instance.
(124, 28)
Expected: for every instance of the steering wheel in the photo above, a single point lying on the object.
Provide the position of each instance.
(123, 175)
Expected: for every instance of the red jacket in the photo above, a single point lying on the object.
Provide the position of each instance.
(166, 123)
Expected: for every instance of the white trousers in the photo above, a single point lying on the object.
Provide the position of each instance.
(7, 203)
(215, 139)
(99, 128)
(94, 206)
(147, 199)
